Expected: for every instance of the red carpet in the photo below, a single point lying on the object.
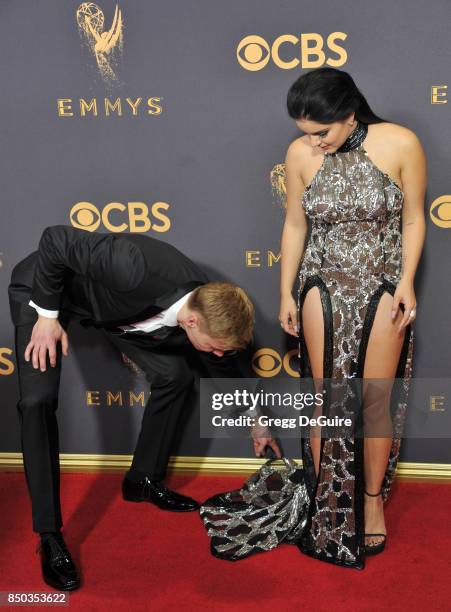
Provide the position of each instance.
(137, 557)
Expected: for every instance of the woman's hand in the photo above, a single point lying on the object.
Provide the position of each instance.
(44, 337)
(288, 315)
(404, 294)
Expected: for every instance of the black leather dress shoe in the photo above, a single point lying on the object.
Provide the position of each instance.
(155, 492)
(58, 569)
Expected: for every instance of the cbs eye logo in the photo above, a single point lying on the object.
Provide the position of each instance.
(440, 211)
(254, 52)
(266, 362)
(116, 217)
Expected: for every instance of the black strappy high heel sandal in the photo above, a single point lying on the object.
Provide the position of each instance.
(374, 549)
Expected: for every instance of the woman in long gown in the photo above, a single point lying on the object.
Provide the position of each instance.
(360, 181)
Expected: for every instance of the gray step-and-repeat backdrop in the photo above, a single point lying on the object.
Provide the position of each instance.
(167, 118)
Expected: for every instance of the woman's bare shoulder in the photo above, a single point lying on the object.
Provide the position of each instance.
(396, 133)
(298, 151)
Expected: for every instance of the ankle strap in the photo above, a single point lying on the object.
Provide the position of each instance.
(373, 494)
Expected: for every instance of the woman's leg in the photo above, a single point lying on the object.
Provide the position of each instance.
(313, 329)
(381, 362)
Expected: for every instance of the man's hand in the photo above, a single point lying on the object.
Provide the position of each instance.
(44, 337)
(262, 438)
(261, 443)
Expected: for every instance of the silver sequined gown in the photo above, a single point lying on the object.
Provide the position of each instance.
(353, 256)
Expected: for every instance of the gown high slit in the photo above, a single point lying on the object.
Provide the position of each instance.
(353, 256)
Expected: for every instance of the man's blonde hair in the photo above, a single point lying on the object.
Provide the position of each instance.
(226, 313)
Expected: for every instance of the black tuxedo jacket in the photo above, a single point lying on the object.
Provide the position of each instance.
(108, 279)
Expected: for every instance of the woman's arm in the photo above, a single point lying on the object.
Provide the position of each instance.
(414, 181)
(293, 238)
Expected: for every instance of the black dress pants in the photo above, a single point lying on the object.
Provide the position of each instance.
(171, 378)
(166, 367)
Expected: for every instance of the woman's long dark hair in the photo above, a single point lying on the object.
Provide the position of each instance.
(326, 95)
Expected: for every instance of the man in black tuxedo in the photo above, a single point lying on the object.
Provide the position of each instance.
(155, 305)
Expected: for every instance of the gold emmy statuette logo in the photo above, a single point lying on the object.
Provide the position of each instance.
(267, 362)
(105, 45)
(440, 211)
(287, 52)
(6, 365)
(86, 216)
(277, 179)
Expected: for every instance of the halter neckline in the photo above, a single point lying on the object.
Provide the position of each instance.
(354, 140)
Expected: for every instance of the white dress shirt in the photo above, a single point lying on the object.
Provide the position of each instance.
(166, 317)
(50, 314)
